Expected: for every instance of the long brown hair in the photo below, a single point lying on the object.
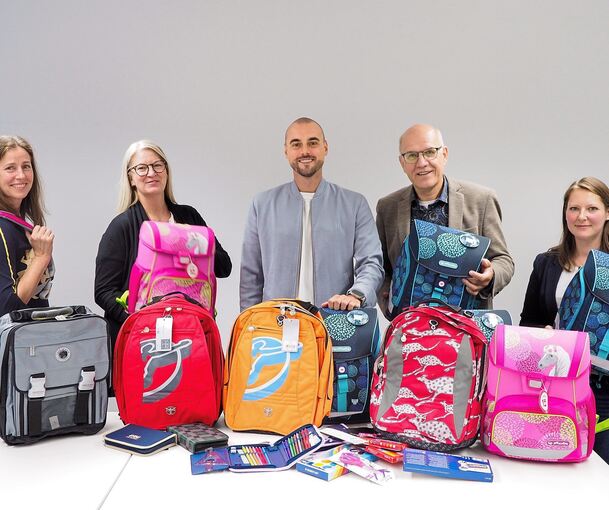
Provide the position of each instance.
(566, 247)
(32, 206)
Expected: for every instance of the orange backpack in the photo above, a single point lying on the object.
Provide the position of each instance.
(279, 369)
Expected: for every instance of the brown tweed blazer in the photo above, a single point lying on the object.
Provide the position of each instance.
(471, 208)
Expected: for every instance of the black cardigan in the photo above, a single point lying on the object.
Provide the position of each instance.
(118, 250)
(540, 308)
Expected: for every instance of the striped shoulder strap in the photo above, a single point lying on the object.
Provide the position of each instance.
(16, 220)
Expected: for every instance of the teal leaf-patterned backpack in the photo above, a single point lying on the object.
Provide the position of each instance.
(432, 263)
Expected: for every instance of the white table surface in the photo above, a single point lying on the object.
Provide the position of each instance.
(67, 472)
(164, 481)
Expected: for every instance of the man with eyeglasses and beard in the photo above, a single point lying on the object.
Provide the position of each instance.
(310, 239)
(434, 198)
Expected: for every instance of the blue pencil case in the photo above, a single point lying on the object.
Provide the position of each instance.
(282, 454)
(140, 440)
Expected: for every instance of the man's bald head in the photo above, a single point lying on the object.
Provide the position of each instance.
(304, 120)
(420, 131)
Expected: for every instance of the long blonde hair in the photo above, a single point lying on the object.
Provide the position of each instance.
(32, 206)
(127, 195)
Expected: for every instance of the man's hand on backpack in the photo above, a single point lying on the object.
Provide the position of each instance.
(342, 302)
(478, 281)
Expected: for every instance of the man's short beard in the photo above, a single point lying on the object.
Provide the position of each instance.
(309, 172)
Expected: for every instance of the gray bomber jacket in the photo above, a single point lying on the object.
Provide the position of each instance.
(346, 247)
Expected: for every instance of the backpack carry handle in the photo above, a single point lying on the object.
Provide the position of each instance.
(175, 293)
(454, 308)
(34, 314)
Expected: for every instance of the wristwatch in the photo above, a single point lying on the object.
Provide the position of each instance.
(359, 295)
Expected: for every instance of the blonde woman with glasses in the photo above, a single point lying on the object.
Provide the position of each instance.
(145, 194)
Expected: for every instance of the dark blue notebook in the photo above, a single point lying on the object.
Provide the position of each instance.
(139, 440)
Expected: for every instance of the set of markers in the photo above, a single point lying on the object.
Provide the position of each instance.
(252, 455)
(282, 454)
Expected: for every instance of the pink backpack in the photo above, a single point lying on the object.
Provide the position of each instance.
(538, 404)
(429, 379)
(173, 257)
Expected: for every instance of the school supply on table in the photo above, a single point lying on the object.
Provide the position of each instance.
(342, 433)
(209, 460)
(320, 466)
(377, 440)
(432, 263)
(429, 381)
(356, 341)
(282, 454)
(355, 461)
(139, 440)
(173, 257)
(391, 456)
(168, 364)
(447, 466)
(279, 371)
(585, 304)
(538, 403)
(54, 373)
(196, 437)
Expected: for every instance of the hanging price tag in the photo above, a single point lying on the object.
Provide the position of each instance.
(289, 339)
(163, 333)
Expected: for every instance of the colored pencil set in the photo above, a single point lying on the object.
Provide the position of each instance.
(251, 455)
(282, 454)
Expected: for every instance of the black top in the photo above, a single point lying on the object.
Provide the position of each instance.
(540, 300)
(15, 256)
(117, 253)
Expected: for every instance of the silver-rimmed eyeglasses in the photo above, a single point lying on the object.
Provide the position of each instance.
(428, 154)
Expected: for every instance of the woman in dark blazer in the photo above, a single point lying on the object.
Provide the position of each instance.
(585, 222)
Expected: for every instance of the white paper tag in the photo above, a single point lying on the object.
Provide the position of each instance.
(54, 422)
(192, 270)
(543, 401)
(163, 333)
(289, 339)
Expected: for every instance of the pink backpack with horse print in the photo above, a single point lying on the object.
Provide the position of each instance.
(538, 404)
(429, 379)
(173, 257)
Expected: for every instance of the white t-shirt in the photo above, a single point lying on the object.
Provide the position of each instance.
(305, 281)
(561, 286)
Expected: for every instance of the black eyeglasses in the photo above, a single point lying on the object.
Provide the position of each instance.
(158, 166)
(428, 154)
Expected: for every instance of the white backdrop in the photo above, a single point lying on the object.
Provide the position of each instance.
(518, 88)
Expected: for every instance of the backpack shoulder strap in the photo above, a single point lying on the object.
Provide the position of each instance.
(16, 220)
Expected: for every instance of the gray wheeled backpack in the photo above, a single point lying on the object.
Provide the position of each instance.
(54, 373)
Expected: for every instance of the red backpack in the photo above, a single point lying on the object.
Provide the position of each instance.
(180, 381)
(429, 379)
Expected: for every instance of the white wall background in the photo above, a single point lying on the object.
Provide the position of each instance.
(519, 89)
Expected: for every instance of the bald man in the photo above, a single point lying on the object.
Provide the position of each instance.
(435, 198)
(310, 239)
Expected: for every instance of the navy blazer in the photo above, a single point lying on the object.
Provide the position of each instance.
(540, 308)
